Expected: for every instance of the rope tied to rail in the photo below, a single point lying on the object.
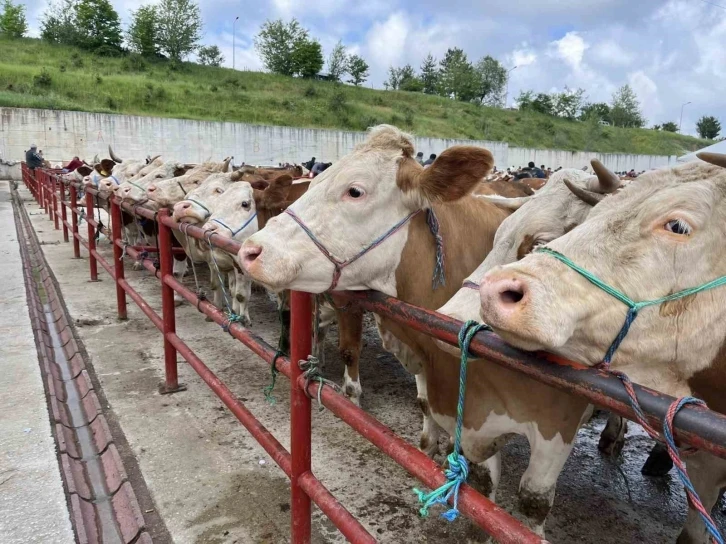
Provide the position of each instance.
(667, 436)
(311, 372)
(458, 467)
(232, 316)
(269, 397)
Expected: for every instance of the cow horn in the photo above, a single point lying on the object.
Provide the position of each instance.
(113, 156)
(506, 203)
(718, 159)
(152, 159)
(225, 164)
(588, 197)
(608, 181)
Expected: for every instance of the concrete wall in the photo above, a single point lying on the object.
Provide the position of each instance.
(64, 134)
(10, 170)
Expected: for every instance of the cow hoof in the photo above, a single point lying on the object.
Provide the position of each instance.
(610, 447)
(658, 463)
(351, 394)
(178, 301)
(428, 446)
(137, 266)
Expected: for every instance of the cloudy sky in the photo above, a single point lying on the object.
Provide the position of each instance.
(670, 51)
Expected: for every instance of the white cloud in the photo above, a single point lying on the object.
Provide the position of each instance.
(570, 48)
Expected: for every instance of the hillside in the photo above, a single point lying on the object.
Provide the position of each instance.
(34, 74)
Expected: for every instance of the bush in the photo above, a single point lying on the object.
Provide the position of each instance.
(99, 79)
(310, 91)
(338, 101)
(62, 67)
(408, 115)
(76, 60)
(396, 120)
(378, 101)
(213, 88)
(108, 51)
(111, 102)
(43, 79)
(134, 63)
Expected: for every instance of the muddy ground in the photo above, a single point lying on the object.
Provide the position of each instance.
(212, 484)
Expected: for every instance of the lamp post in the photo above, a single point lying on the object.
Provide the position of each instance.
(234, 44)
(506, 95)
(681, 121)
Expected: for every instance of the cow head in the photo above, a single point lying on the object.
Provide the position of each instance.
(235, 215)
(134, 190)
(166, 193)
(198, 204)
(659, 235)
(536, 220)
(351, 205)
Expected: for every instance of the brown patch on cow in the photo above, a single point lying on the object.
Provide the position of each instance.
(709, 384)
(674, 308)
(508, 189)
(423, 405)
(526, 247)
(534, 183)
(107, 165)
(84, 170)
(350, 339)
(183, 169)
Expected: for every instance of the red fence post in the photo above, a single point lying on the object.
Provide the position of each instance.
(300, 416)
(39, 183)
(166, 263)
(74, 222)
(64, 213)
(118, 260)
(91, 237)
(54, 185)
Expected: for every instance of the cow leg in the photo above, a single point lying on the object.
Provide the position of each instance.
(216, 288)
(242, 293)
(350, 338)
(429, 442)
(658, 463)
(537, 486)
(612, 438)
(179, 270)
(708, 475)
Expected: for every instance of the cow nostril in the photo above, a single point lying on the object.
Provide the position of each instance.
(510, 292)
(186, 206)
(151, 189)
(510, 296)
(250, 253)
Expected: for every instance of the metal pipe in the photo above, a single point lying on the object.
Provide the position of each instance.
(695, 426)
(301, 306)
(54, 187)
(142, 304)
(118, 260)
(74, 221)
(166, 263)
(91, 237)
(64, 216)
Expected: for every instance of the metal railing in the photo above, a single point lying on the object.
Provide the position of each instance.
(695, 426)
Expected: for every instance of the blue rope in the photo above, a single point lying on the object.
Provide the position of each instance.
(458, 469)
(235, 232)
(439, 279)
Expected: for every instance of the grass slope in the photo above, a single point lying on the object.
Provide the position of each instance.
(76, 80)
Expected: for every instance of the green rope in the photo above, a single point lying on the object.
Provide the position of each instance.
(269, 397)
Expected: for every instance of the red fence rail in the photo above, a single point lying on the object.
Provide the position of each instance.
(695, 426)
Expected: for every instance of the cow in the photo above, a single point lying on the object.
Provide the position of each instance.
(509, 189)
(658, 236)
(357, 201)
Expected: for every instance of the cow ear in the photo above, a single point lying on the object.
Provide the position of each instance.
(454, 174)
(97, 167)
(84, 170)
(259, 185)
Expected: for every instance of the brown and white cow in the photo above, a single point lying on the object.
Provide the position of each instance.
(660, 235)
(356, 201)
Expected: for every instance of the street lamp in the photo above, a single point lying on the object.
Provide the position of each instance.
(681, 121)
(234, 48)
(506, 95)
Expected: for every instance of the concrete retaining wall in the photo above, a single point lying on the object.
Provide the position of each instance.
(64, 134)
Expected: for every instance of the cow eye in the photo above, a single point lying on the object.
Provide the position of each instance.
(678, 226)
(246, 205)
(355, 192)
(219, 190)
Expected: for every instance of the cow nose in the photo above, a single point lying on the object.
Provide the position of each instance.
(151, 188)
(186, 205)
(248, 254)
(503, 295)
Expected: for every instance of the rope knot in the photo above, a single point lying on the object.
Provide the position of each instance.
(269, 397)
(311, 372)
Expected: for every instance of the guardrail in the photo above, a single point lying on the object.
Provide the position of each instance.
(695, 426)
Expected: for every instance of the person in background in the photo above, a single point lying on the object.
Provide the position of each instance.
(430, 160)
(319, 168)
(32, 158)
(309, 165)
(419, 158)
(71, 166)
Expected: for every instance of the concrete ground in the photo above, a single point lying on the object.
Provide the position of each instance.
(212, 484)
(28, 464)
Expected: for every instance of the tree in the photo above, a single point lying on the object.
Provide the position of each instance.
(210, 55)
(708, 127)
(337, 62)
(12, 20)
(286, 48)
(458, 78)
(625, 109)
(59, 25)
(307, 59)
(543, 103)
(429, 75)
(99, 24)
(669, 126)
(407, 80)
(358, 70)
(491, 79)
(568, 103)
(524, 100)
(180, 28)
(394, 78)
(143, 32)
(597, 110)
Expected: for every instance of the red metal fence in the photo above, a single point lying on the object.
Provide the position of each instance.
(695, 426)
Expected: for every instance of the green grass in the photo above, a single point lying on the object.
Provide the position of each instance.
(129, 85)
